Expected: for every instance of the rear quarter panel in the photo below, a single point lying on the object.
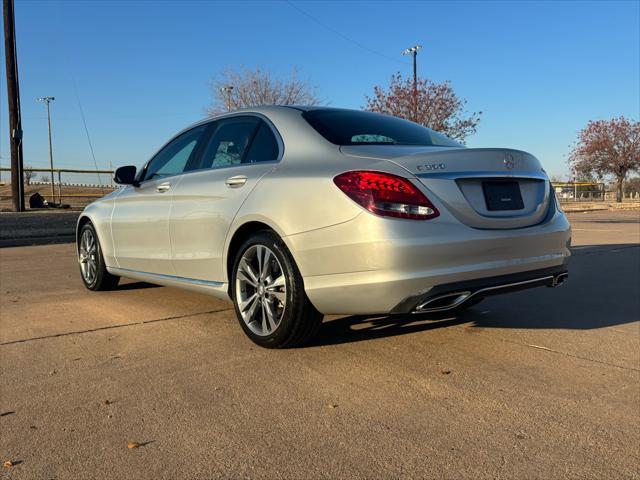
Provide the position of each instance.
(299, 196)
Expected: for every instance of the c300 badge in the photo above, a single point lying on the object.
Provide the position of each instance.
(431, 167)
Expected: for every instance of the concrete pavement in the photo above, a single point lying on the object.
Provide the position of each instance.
(535, 384)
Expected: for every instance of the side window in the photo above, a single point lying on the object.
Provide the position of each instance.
(264, 147)
(173, 158)
(229, 142)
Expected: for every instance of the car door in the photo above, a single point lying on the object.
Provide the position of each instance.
(239, 151)
(140, 220)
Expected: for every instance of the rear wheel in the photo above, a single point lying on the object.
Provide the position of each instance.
(268, 294)
(92, 267)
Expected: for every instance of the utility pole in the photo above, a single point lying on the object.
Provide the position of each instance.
(414, 52)
(47, 101)
(13, 92)
(227, 89)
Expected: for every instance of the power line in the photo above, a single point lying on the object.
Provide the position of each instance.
(86, 130)
(345, 37)
(119, 117)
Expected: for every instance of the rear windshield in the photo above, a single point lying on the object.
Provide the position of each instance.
(351, 127)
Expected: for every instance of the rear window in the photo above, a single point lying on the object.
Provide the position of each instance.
(351, 127)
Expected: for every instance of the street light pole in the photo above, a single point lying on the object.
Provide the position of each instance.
(413, 51)
(227, 89)
(47, 101)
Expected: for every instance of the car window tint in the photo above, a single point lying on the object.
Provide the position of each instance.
(173, 158)
(229, 142)
(264, 147)
(351, 127)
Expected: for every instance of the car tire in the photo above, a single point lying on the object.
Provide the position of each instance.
(268, 294)
(93, 270)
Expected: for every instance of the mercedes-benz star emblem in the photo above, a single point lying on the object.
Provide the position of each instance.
(508, 161)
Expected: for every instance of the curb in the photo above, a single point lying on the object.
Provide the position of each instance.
(32, 241)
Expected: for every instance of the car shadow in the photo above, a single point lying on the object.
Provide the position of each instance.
(615, 221)
(136, 286)
(602, 291)
(357, 328)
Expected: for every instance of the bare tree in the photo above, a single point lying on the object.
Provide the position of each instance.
(258, 87)
(29, 175)
(436, 106)
(45, 179)
(607, 148)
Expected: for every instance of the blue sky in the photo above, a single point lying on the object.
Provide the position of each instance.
(538, 70)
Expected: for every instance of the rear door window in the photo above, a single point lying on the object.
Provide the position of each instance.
(264, 147)
(229, 141)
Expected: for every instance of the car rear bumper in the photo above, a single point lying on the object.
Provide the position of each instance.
(453, 295)
(372, 265)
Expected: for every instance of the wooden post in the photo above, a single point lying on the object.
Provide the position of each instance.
(59, 186)
(13, 93)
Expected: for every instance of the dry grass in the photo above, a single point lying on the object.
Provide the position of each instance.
(79, 197)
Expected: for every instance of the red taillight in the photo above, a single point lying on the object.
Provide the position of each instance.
(386, 194)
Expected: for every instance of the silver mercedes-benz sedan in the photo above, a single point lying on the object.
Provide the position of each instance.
(297, 212)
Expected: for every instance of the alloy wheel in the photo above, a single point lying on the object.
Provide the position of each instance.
(88, 256)
(261, 290)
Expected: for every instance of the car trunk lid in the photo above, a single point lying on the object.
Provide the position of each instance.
(491, 188)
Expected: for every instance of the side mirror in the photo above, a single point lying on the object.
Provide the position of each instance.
(125, 175)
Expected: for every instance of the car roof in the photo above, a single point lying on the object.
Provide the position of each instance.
(267, 110)
(302, 108)
(271, 108)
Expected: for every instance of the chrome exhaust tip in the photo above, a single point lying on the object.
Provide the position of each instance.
(559, 279)
(443, 302)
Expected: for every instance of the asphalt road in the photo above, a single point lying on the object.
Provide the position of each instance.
(535, 384)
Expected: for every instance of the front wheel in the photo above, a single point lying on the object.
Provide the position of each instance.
(92, 267)
(268, 294)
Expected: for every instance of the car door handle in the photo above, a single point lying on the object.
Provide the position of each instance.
(163, 187)
(235, 182)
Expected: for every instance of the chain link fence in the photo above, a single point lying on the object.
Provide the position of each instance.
(580, 191)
